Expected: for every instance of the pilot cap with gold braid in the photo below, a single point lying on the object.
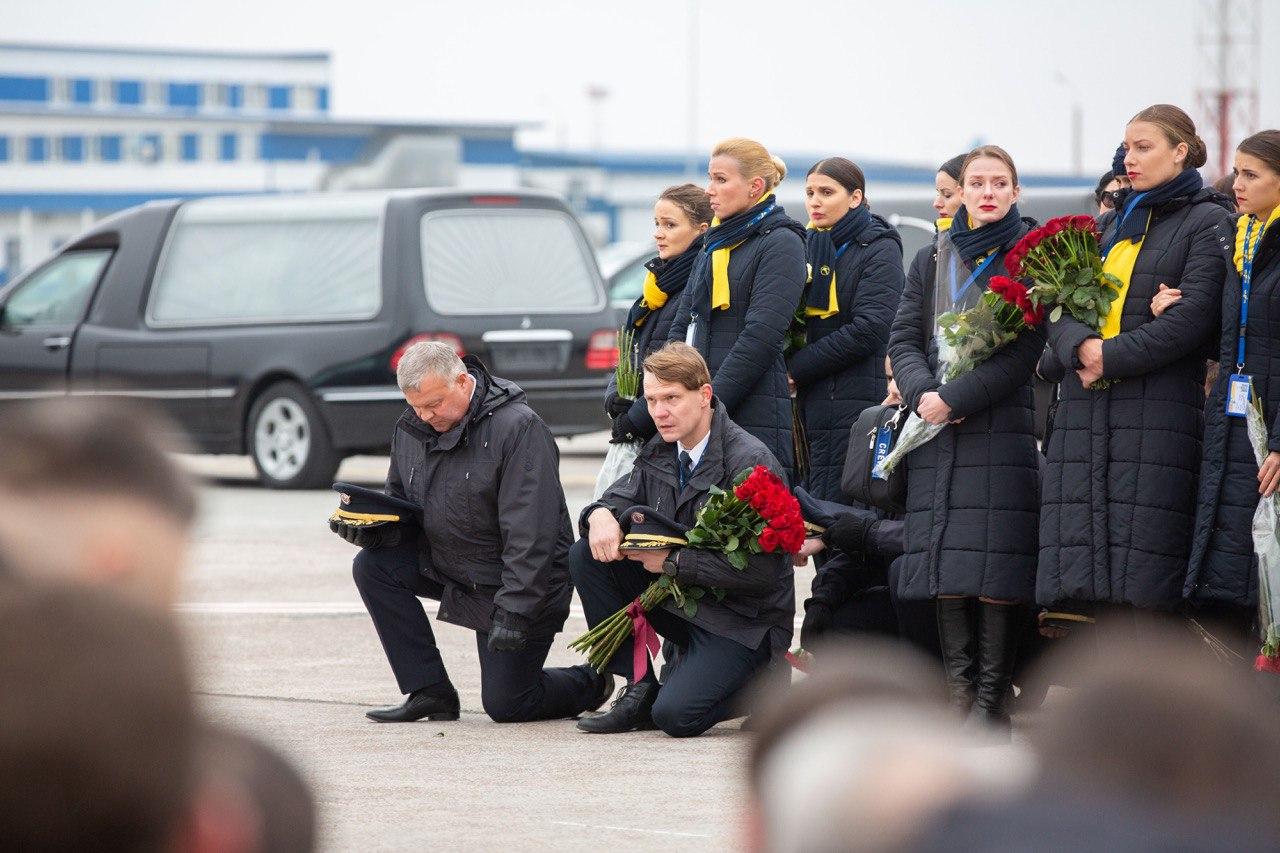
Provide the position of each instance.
(362, 507)
(647, 529)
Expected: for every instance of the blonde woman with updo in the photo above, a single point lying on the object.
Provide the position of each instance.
(744, 290)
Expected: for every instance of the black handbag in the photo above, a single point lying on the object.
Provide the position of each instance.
(871, 437)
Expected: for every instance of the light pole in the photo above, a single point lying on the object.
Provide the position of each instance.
(597, 95)
(1077, 122)
(691, 143)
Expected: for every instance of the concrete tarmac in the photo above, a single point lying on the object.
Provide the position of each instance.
(284, 649)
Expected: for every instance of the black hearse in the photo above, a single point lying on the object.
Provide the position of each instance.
(272, 325)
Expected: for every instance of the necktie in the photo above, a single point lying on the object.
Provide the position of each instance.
(686, 468)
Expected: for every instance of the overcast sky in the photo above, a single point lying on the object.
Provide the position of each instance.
(911, 81)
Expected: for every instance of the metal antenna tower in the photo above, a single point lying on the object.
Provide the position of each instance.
(1229, 38)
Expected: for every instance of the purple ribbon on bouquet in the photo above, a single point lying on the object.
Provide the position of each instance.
(644, 639)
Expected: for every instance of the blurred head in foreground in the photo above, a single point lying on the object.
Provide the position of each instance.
(859, 754)
(91, 494)
(97, 723)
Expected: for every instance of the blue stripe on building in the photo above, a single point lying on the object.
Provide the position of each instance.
(105, 201)
(490, 152)
(278, 97)
(15, 88)
(4, 149)
(298, 146)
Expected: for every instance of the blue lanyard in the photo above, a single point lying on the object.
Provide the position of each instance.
(1245, 278)
(711, 247)
(840, 251)
(955, 295)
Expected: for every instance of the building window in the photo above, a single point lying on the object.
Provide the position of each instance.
(278, 97)
(235, 96)
(255, 97)
(184, 95)
(322, 98)
(37, 149)
(126, 93)
(71, 149)
(190, 146)
(228, 147)
(32, 89)
(109, 148)
(4, 149)
(83, 91)
(150, 148)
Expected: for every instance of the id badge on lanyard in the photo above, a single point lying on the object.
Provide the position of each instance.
(1239, 384)
(883, 444)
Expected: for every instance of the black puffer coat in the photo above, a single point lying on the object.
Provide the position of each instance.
(973, 492)
(1120, 481)
(743, 343)
(496, 527)
(650, 337)
(1223, 569)
(840, 371)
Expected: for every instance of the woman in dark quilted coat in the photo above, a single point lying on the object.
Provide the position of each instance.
(855, 269)
(973, 491)
(1222, 578)
(681, 216)
(1122, 462)
(744, 290)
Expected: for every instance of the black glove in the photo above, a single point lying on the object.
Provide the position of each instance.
(623, 430)
(615, 406)
(378, 536)
(817, 621)
(505, 637)
(849, 532)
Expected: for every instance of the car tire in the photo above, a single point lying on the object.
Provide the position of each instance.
(288, 441)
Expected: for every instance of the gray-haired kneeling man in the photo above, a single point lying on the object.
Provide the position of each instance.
(492, 547)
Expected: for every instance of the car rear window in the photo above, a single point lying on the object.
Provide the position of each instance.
(270, 260)
(485, 261)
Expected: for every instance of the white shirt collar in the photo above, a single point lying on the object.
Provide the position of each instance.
(695, 452)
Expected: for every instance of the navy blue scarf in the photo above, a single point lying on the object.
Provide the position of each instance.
(1133, 206)
(764, 215)
(671, 275)
(822, 247)
(973, 243)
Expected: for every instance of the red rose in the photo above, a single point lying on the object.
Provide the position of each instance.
(1084, 223)
(769, 540)
(1267, 664)
(1054, 226)
(1033, 316)
(1013, 260)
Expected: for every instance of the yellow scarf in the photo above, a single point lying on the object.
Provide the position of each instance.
(833, 307)
(653, 297)
(720, 267)
(1120, 262)
(944, 223)
(1242, 227)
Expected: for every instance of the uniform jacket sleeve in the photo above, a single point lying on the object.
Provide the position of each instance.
(875, 299)
(907, 342)
(1005, 371)
(775, 292)
(1187, 323)
(530, 502)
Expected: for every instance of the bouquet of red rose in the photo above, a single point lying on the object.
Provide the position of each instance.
(969, 327)
(1063, 261)
(759, 516)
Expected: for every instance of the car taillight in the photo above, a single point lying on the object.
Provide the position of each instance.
(602, 350)
(443, 337)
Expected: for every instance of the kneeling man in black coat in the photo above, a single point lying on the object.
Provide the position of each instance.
(491, 547)
(730, 637)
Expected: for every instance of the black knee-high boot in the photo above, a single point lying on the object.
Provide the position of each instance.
(999, 626)
(957, 630)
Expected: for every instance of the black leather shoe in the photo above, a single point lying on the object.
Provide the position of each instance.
(957, 637)
(435, 705)
(997, 652)
(628, 713)
(606, 692)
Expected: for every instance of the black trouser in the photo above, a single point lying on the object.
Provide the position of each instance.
(703, 683)
(514, 687)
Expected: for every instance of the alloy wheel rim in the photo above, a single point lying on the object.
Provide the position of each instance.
(282, 439)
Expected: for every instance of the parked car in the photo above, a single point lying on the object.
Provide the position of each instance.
(272, 325)
(622, 265)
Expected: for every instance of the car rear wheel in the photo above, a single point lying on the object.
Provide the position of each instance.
(288, 440)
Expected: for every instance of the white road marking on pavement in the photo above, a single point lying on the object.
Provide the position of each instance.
(630, 829)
